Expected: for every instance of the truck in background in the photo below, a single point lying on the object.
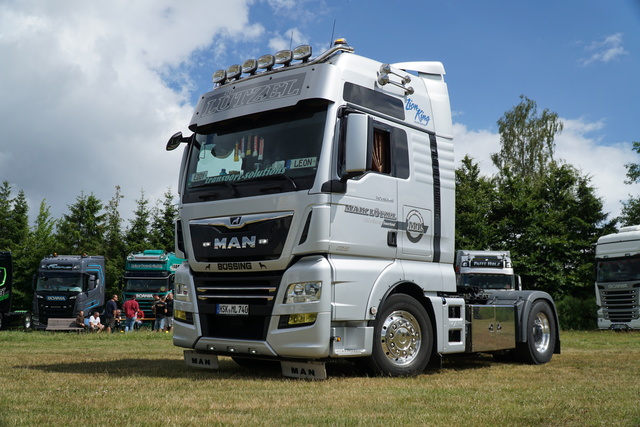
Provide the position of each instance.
(618, 279)
(10, 318)
(317, 207)
(65, 284)
(486, 270)
(147, 273)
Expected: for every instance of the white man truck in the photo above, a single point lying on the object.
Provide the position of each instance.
(316, 213)
(486, 270)
(65, 284)
(618, 279)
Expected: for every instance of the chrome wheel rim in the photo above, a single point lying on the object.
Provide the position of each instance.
(541, 332)
(401, 338)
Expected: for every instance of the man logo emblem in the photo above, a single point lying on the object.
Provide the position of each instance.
(415, 226)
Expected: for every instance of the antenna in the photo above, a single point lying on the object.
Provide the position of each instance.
(291, 41)
(332, 32)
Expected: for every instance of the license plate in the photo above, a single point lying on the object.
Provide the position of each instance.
(233, 309)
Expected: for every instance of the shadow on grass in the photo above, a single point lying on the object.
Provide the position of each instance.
(176, 368)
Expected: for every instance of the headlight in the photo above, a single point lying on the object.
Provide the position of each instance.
(303, 292)
(181, 292)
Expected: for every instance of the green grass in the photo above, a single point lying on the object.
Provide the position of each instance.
(140, 380)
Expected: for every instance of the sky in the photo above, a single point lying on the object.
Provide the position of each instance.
(90, 91)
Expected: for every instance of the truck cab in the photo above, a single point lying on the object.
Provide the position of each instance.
(147, 274)
(618, 279)
(316, 215)
(486, 270)
(65, 284)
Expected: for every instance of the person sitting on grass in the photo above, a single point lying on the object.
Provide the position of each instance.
(94, 322)
(80, 320)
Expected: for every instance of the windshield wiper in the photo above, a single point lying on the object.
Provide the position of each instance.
(280, 176)
(210, 196)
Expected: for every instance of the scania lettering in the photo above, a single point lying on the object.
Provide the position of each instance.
(65, 284)
(149, 273)
(618, 279)
(486, 270)
(342, 170)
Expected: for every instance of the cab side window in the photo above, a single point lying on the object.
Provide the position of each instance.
(381, 151)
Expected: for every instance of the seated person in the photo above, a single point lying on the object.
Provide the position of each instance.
(139, 317)
(94, 322)
(80, 320)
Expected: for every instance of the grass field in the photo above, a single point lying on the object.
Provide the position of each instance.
(140, 380)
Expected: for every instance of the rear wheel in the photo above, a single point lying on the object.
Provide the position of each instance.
(541, 335)
(403, 338)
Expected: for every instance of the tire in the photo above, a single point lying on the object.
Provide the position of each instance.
(403, 338)
(541, 330)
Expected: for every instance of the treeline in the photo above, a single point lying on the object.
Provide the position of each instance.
(89, 227)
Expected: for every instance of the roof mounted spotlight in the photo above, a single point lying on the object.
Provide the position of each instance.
(284, 57)
(219, 76)
(302, 53)
(340, 41)
(266, 62)
(234, 71)
(250, 66)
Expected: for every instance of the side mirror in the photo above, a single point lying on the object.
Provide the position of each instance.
(356, 143)
(175, 141)
(518, 282)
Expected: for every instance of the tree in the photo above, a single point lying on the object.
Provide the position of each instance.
(138, 237)
(526, 140)
(14, 218)
(163, 224)
(633, 169)
(475, 195)
(82, 230)
(39, 243)
(115, 248)
(550, 226)
(545, 212)
(631, 208)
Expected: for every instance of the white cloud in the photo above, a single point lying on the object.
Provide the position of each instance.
(574, 145)
(478, 144)
(289, 40)
(606, 50)
(85, 101)
(603, 162)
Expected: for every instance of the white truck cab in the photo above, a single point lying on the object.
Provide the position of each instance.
(317, 216)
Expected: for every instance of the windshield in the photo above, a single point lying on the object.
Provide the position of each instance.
(59, 282)
(155, 285)
(616, 270)
(271, 152)
(488, 281)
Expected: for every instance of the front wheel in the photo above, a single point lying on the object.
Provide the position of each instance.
(541, 335)
(403, 338)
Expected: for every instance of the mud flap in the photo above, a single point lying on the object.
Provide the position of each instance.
(304, 370)
(200, 360)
